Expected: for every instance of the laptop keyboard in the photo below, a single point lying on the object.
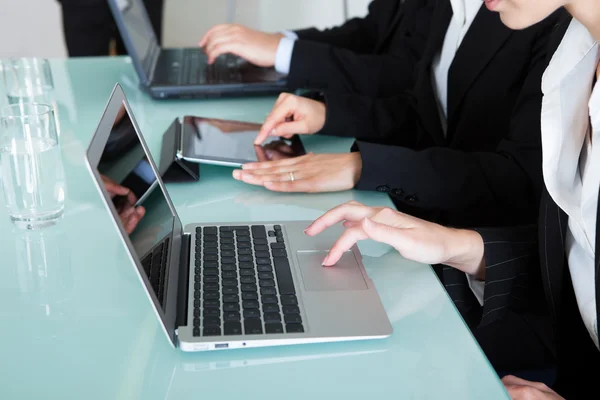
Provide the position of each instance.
(197, 72)
(155, 266)
(243, 283)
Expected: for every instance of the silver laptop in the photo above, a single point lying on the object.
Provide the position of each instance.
(229, 285)
(185, 72)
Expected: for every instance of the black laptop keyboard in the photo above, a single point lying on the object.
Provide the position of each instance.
(243, 283)
(155, 266)
(196, 71)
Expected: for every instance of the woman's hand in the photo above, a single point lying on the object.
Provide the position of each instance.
(257, 47)
(310, 173)
(520, 389)
(292, 115)
(415, 239)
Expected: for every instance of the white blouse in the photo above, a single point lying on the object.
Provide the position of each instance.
(570, 135)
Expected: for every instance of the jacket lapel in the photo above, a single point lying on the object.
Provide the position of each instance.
(485, 36)
(553, 228)
(395, 16)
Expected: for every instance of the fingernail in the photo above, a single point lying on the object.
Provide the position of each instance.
(237, 174)
(325, 262)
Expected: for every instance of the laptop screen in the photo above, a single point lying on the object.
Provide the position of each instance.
(140, 37)
(142, 206)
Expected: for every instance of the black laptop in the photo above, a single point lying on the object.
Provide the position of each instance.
(184, 73)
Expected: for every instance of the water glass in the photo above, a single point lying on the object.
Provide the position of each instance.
(28, 80)
(31, 169)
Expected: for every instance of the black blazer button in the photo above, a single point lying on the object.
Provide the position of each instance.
(398, 192)
(383, 188)
(412, 198)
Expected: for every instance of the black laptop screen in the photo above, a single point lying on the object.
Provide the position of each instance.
(132, 184)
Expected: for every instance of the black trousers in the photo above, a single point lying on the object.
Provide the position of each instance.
(89, 27)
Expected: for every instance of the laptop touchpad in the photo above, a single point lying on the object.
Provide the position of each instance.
(345, 275)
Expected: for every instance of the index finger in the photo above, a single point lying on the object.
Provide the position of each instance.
(346, 212)
(343, 244)
(277, 116)
(210, 32)
(116, 189)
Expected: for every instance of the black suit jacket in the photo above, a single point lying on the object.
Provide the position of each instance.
(372, 56)
(527, 274)
(485, 169)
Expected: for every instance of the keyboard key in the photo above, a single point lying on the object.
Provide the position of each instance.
(225, 234)
(228, 260)
(230, 290)
(246, 272)
(240, 227)
(211, 250)
(231, 316)
(289, 300)
(272, 317)
(249, 304)
(242, 232)
(247, 265)
(284, 275)
(196, 303)
(211, 264)
(270, 308)
(210, 272)
(211, 295)
(277, 227)
(280, 239)
(259, 232)
(199, 230)
(277, 246)
(248, 288)
(292, 318)
(249, 296)
(229, 274)
(196, 331)
(251, 313)
(261, 247)
(230, 282)
(269, 299)
(291, 310)
(210, 238)
(227, 253)
(225, 246)
(196, 322)
(274, 328)
(227, 241)
(262, 254)
(244, 245)
(229, 267)
(279, 253)
(253, 326)
(197, 278)
(210, 244)
(231, 307)
(264, 268)
(294, 328)
(211, 321)
(212, 286)
(261, 241)
(272, 234)
(268, 290)
(249, 280)
(211, 331)
(196, 312)
(225, 229)
(265, 275)
(211, 312)
(213, 277)
(210, 230)
(231, 298)
(263, 261)
(197, 294)
(246, 259)
(211, 257)
(244, 252)
(266, 283)
(232, 328)
(211, 304)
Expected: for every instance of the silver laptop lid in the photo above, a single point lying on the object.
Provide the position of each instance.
(118, 153)
(138, 35)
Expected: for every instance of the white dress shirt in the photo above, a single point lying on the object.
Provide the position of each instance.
(283, 56)
(571, 158)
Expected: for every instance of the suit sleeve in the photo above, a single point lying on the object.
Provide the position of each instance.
(352, 66)
(443, 178)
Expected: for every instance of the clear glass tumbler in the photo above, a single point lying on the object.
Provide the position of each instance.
(31, 168)
(28, 80)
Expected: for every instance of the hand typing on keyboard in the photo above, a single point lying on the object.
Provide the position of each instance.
(124, 201)
(257, 47)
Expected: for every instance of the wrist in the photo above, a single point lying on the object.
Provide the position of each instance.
(357, 162)
(466, 252)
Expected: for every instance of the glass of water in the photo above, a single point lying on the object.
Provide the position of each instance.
(28, 80)
(31, 169)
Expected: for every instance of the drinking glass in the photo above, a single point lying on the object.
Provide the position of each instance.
(31, 169)
(28, 80)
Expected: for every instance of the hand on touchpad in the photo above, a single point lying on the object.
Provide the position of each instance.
(345, 275)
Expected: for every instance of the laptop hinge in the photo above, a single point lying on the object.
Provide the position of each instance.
(184, 277)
